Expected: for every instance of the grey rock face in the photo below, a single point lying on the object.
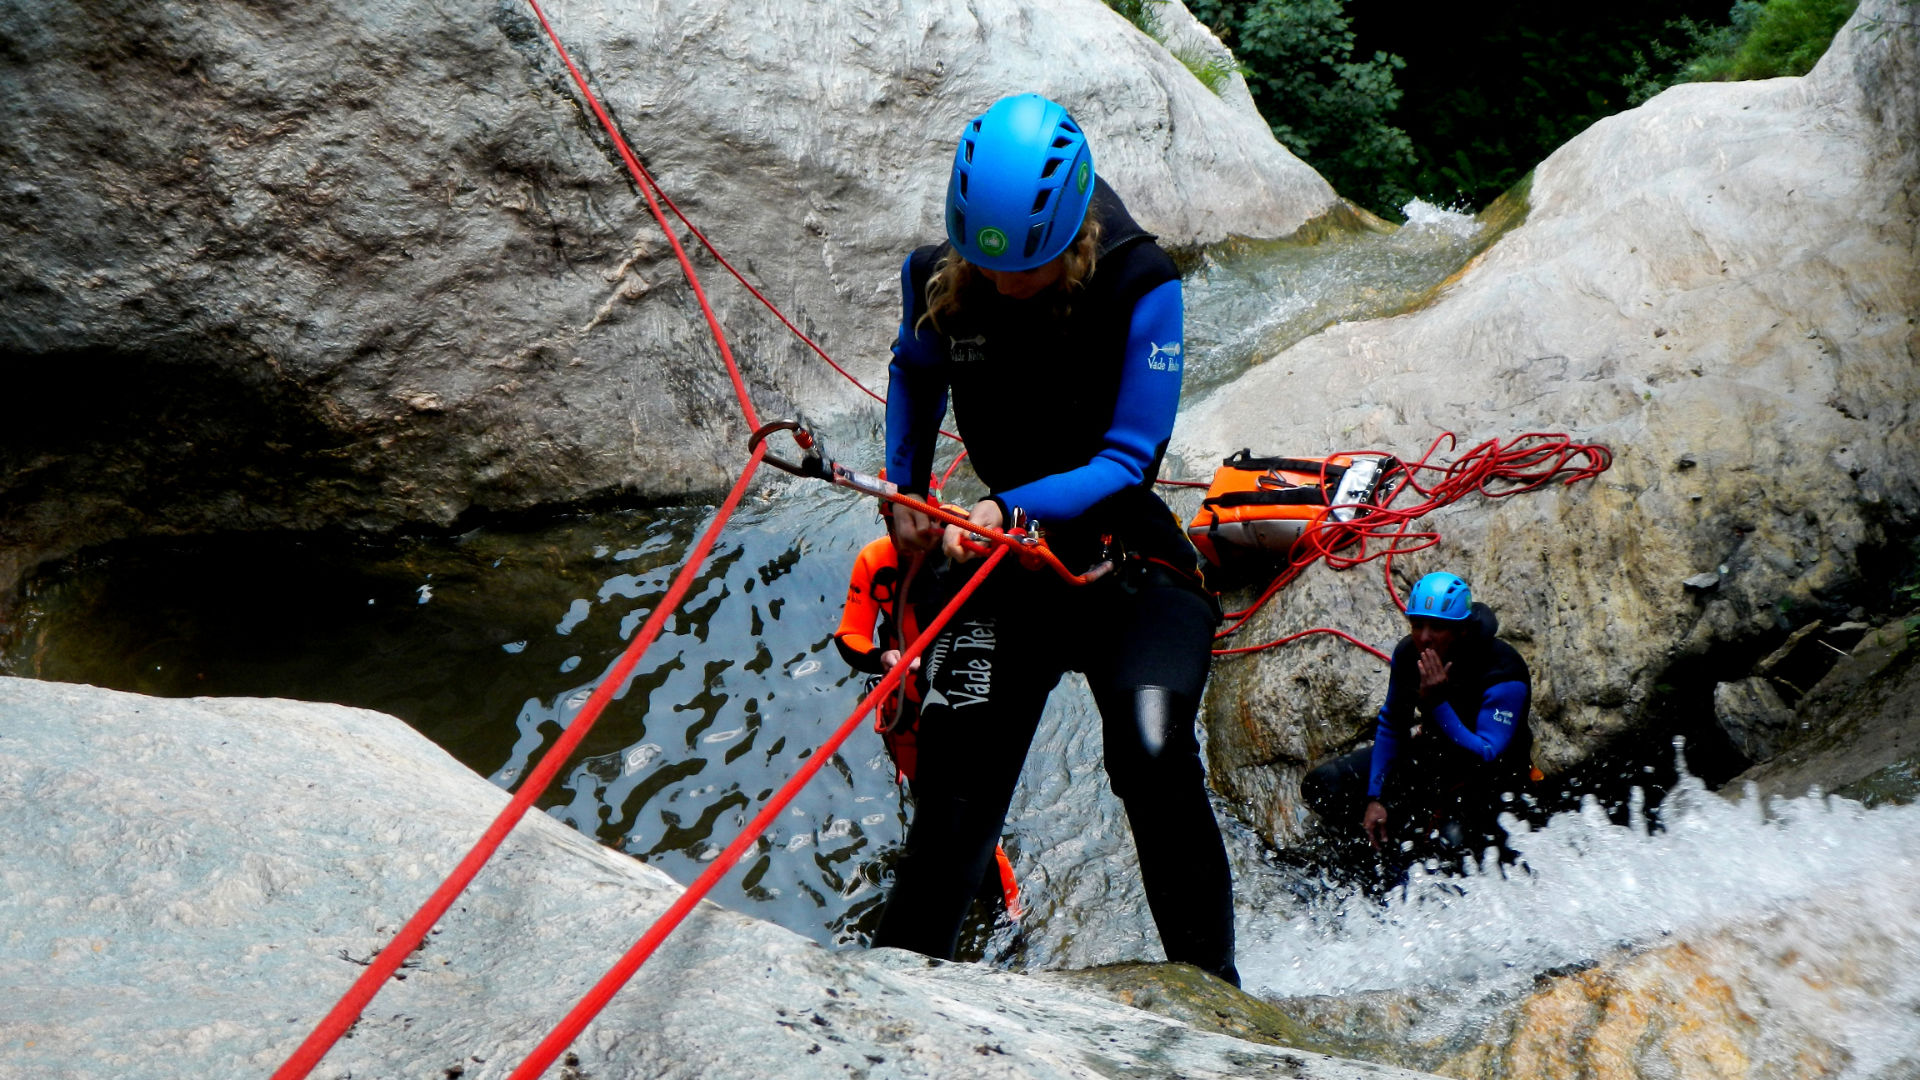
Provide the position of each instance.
(1856, 731)
(190, 884)
(1753, 716)
(283, 266)
(1722, 286)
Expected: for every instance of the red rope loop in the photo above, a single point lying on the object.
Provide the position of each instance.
(1492, 468)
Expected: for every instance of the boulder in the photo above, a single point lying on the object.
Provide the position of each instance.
(192, 883)
(279, 266)
(1721, 285)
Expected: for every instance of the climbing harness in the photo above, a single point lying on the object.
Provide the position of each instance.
(1026, 539)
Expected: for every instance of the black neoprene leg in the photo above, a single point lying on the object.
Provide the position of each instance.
(984, 702)
(1337, 790)
(1148, 697)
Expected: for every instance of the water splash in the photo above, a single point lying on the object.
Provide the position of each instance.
(1792, 900)
(1422, 214)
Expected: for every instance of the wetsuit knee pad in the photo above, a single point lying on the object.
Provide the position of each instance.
(1153, 742)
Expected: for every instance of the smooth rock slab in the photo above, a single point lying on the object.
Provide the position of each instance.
(188, 885)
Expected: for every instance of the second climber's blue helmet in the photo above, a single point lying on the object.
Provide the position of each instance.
(1022, 179)
(1440, 596)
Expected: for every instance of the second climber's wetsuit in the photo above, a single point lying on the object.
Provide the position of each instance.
(1441, 771)
(1066, 405)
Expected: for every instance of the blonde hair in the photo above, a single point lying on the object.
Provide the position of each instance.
(955, 278)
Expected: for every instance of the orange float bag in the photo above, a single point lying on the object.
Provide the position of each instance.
(1257, 508)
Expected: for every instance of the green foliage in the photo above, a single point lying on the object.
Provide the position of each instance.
(1144, 14)
(1213, 70)
(1327, 107)
(1761, 39)
(1908, 593)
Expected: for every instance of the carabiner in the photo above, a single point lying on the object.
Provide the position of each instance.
(813, 459)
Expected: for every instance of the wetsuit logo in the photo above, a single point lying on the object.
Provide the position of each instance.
(992, 240)
(968, 349)
(1171, 351)
(969, 681)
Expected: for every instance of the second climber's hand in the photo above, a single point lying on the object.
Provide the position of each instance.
(1433, 677)
(1374, 823)
(986, 514)
(891, 657)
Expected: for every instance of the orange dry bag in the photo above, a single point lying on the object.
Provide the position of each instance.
(1258, 507)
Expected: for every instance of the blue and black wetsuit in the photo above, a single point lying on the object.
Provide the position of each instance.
(1066, 403)
(1441, 770)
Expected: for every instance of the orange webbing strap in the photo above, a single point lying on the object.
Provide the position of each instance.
(616, 977)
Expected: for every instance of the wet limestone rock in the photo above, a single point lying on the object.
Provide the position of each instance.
(1192, 996)
(1722, 285)
(1791, 998)
(190, 884)
(281, 265)
(1821, 986)
(1858, 728)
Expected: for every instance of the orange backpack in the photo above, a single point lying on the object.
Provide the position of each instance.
(1258, 507)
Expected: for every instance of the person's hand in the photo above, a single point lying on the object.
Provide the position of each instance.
(914, 531)
(986, 513)
(1433, 677)
(892, 656)
(1374, 824)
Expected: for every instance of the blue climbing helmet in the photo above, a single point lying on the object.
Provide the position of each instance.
(1022, 179)
(1440, 596)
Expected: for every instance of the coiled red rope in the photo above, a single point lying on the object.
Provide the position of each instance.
(1492, 468)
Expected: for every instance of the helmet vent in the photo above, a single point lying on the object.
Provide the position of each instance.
(967, 149)
(1052, 166)
(959, 227)
(963, 184)
(1040, 201)
(1035, 236)
(1061, 142)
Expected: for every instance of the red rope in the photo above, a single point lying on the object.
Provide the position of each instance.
(1492, 468)
(388, 959)
(948, 475)
(649, 190)
(596, 999)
